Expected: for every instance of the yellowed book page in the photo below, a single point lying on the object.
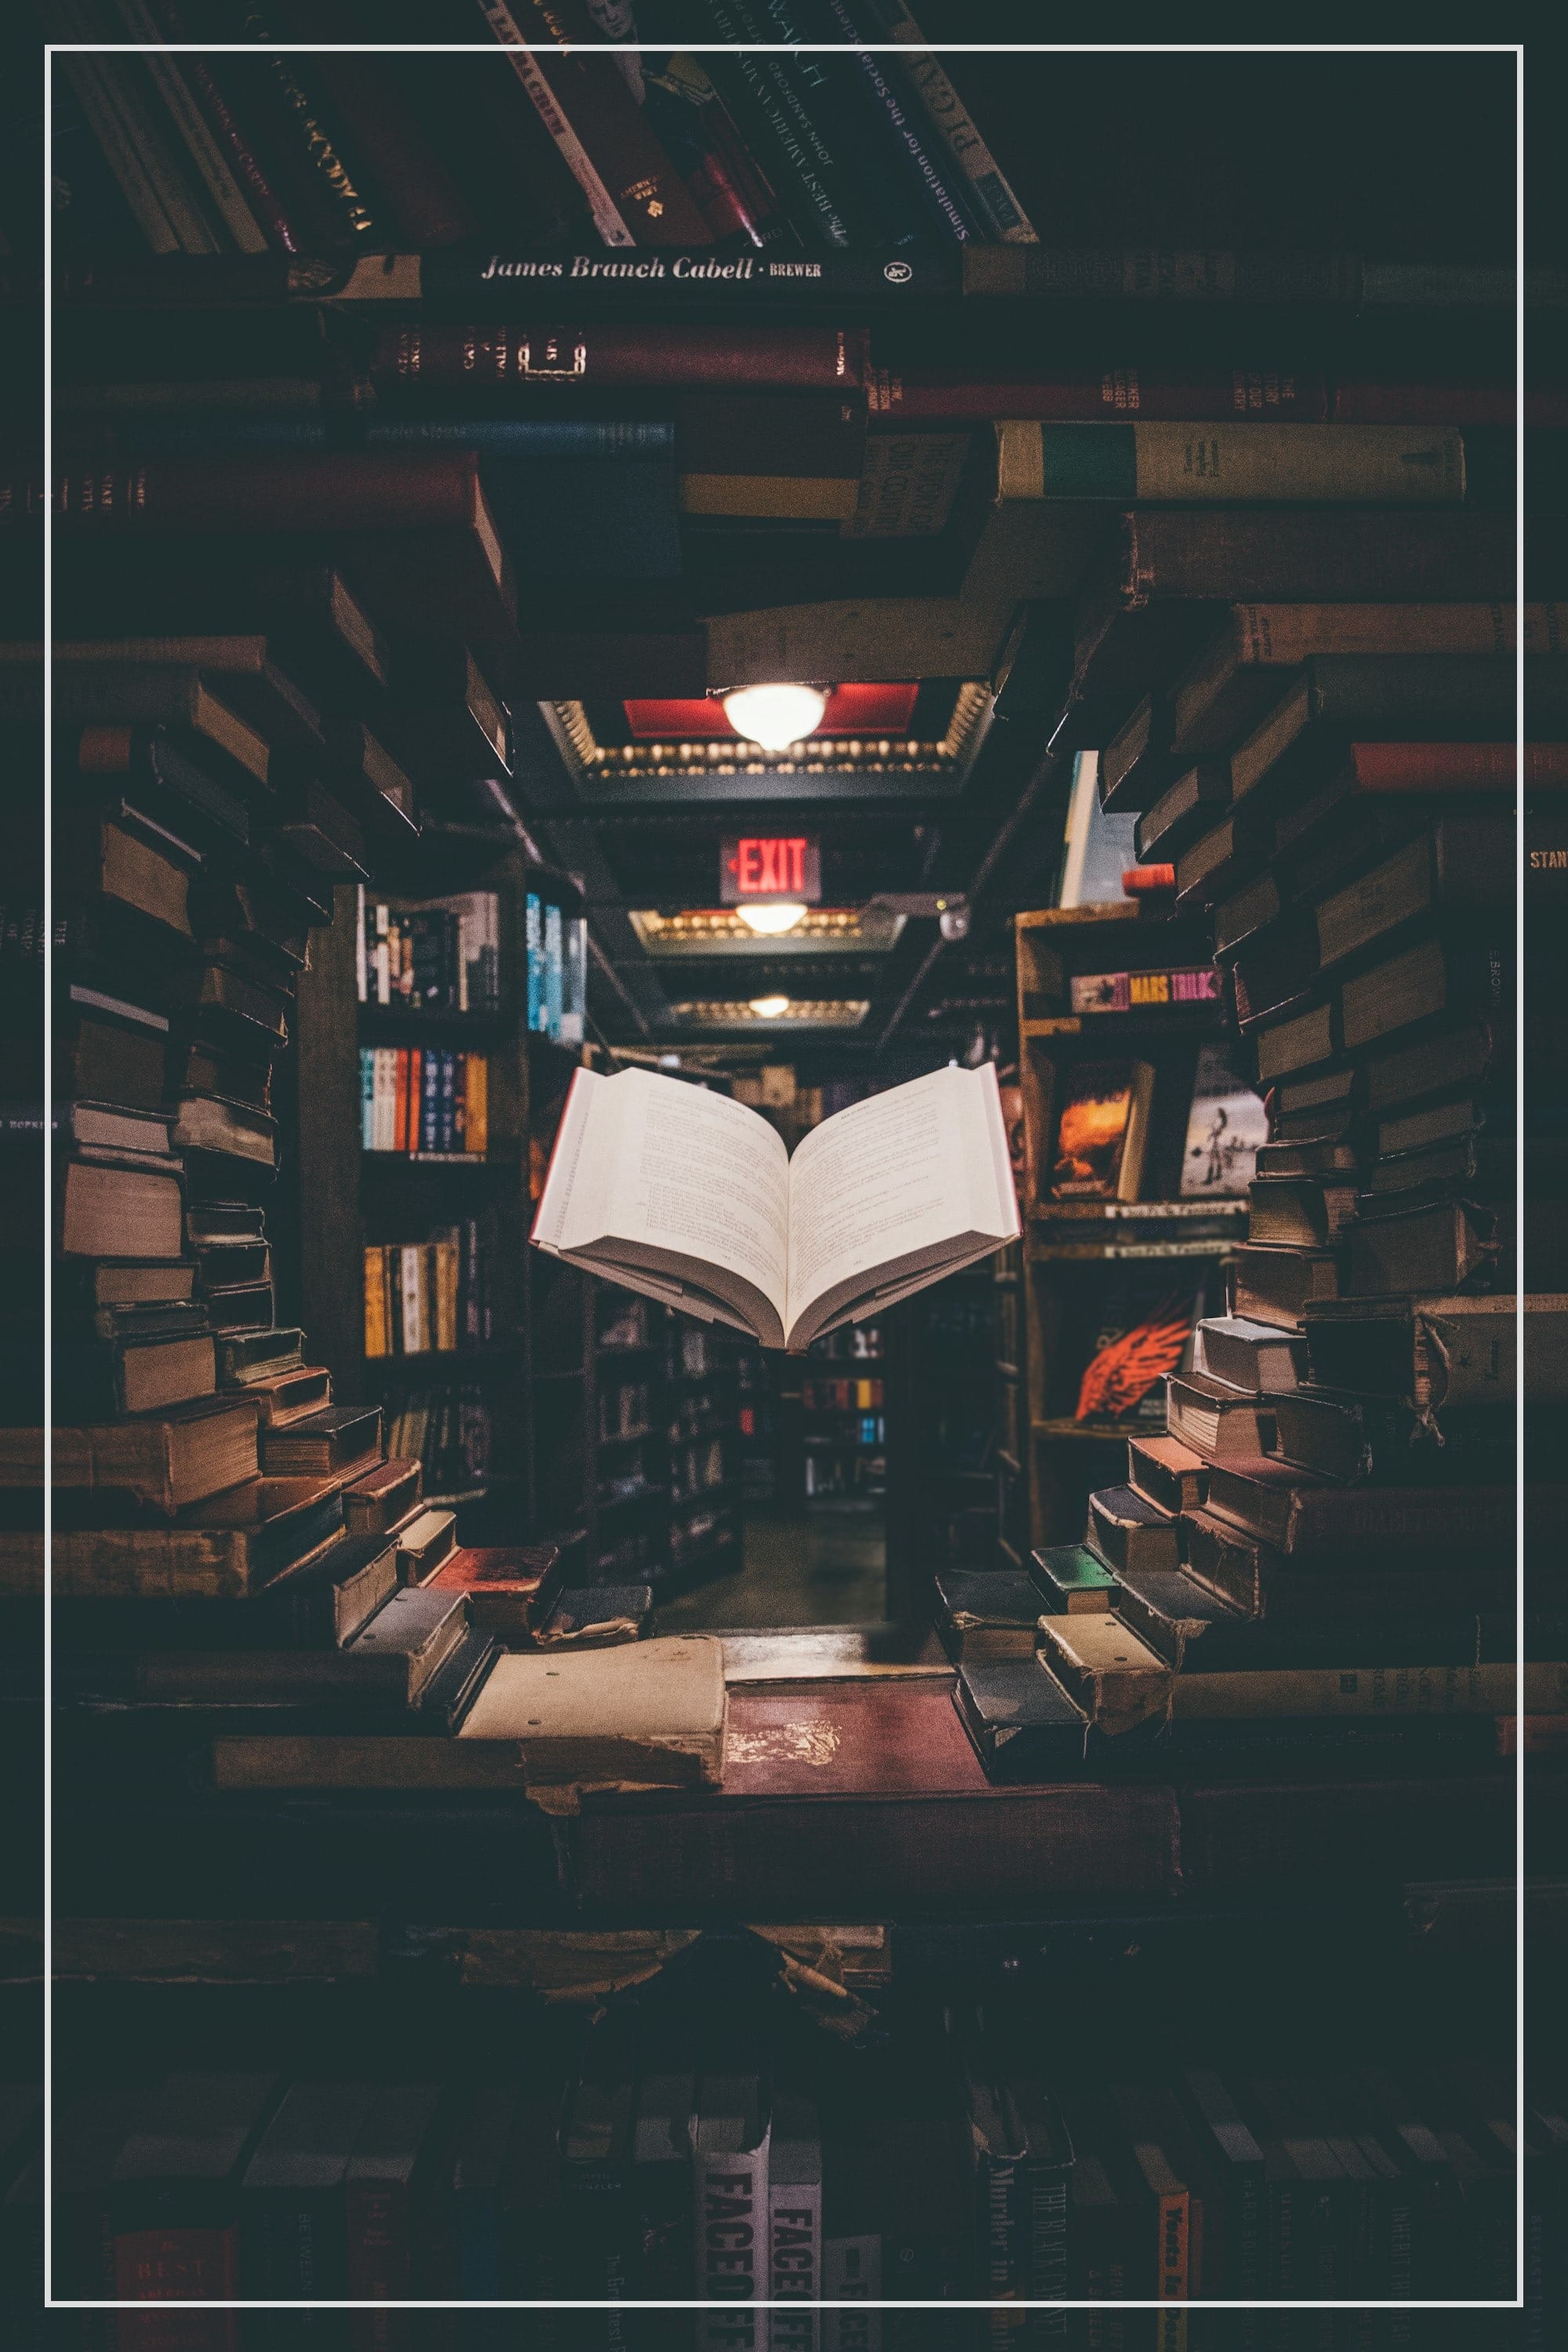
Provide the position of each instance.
(908, 1170)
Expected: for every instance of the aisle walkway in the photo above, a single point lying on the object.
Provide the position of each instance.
(827, 1568)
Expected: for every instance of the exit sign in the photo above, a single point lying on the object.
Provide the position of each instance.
(769, 865)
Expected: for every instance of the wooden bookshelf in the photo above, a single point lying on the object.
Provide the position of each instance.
(1075, 1253)
(534, 1392)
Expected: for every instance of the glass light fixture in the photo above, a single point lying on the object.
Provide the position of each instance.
(770, 1008)
(775, 716)
(779, 915)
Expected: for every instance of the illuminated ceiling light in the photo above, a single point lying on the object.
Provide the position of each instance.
(770, 1008)
(782, 915)
(775, 716)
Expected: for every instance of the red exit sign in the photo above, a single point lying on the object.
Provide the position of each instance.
(769, 865)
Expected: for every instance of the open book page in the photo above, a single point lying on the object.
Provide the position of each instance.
(682, 1188)
(883, 1192)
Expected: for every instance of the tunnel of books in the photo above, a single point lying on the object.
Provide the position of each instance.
(793, 1567)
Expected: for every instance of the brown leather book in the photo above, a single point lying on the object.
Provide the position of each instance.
(855, 1796)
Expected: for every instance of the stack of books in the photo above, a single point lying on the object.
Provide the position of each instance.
(1324, 1548)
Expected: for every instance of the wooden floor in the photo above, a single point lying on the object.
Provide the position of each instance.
(826, 1569)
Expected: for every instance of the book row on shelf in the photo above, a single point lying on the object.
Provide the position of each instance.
(439, 956)
(430, 1296)
(424, 1098)
(965, 2156)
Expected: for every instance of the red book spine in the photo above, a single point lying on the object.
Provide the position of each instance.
(347, 490)
(1447, 404)
(271, 216)
(380, 2270)
(1117, 396)
(414, 1104)
(1456, 767)
(171, 2269)
(427, 206)
(634, 192)
(400, 1102)
(1139, 881)
(788, 359)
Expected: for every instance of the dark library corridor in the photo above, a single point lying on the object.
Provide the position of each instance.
(783, 1561)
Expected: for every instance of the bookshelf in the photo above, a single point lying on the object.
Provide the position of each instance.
(514, 1390)
(1086, 1267)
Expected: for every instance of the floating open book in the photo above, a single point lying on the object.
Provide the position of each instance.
(692, 1198)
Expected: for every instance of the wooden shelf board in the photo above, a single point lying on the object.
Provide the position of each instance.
(1132, 1211)
(1186, 1020)
(1104, 1432)
(1102, 1253)
(440, 1159)
(1049, 918)
(430, 1017)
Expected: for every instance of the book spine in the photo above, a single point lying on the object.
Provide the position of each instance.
(1455, 767)
(132, 170)
(1003, 213)
(428, 207)
(1046, 2246)
(534, 948)
(408, 1271)
(1323, 1692)
(731, 2205)
(468, 1284)
(379, 2262)
(333, 170)
(998, 2227)
(477, 1110)
(460, 1130)
(275, 221)
(367, 1098)
(757, 88)
(1156, 463)
(648, 190)
(823, 358)
(1282, 636)
(851, 2294)
(173, 2268)
(376, 1333)
(447, 1112)
(1159, 274)
(606, 214)
(697, 278)
(891, 119)
(794, 2266)
(1257, 395)
(1438, 404)
(430, 1130)
(173, 85)
(340, 490)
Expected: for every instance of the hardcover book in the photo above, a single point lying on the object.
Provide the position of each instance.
(693, 1199)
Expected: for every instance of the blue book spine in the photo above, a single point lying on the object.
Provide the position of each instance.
(448, 1101)
(367, 1098)
(525, 437)
(553, 972)
(430, 1102)
(491, 436)
(534, 940)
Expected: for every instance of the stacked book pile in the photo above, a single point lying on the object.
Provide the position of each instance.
(226, 1537)
(1324, 1548)
(700, 2153)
